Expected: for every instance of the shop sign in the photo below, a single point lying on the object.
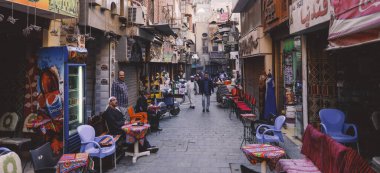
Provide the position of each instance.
(63, 7)
(354, 16)
(307, 13)
(155, 53)
(249, 44)
(269, 11)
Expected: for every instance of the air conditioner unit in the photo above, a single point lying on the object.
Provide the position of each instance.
(136, 15)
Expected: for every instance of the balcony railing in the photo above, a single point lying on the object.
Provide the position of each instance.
(216, 54)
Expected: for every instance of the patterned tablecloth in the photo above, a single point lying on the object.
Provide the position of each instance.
(250, 117)
(259, 152)
(134, 133)
(77, 162)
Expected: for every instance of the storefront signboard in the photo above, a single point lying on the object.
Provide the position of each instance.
(355, 22)
(64, 7)
(307, 13)
(255, 43)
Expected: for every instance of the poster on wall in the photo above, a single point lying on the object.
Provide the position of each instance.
(50, 64)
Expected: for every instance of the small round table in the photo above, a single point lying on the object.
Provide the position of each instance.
(135, 135)
(263, 153)
(247, 119)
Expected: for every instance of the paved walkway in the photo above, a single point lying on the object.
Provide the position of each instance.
(195, 142)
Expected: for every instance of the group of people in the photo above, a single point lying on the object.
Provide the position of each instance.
(116, 112)
(204, 87)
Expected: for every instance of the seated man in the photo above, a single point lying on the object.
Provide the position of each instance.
(115, 120)
(142, 106)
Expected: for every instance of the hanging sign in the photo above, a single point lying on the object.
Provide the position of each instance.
(307, 13)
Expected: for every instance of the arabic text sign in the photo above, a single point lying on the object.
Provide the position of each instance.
(354, 16)
(308, 13)
(64, 7)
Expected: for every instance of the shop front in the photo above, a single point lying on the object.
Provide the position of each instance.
(355, 51)
(22, 34)
(256, 54)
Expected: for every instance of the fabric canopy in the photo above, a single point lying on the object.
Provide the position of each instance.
(355, 22)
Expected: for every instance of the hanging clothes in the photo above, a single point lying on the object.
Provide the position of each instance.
(270, 98)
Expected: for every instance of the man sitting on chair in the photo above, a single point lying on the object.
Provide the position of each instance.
(115, 120)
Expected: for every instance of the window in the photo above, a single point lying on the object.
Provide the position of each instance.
(204, 45)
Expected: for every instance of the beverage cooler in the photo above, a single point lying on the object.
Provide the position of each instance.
(62, 87)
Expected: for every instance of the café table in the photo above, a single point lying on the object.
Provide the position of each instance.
(264, 154)
(135, 134)
(247, 120)
(75, 163)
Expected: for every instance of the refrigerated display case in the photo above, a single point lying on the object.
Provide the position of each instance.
(62, 93)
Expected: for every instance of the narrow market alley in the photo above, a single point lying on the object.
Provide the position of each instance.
(197, 142)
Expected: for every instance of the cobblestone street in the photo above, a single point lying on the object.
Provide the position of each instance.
(194, 142)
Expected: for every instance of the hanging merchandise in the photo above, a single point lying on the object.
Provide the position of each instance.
(54, 31)
(26, 30)
(270, 98)
(35, 27)
(11, 19)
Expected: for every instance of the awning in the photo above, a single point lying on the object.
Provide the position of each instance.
(356, 22)
(189, 41)
(240, 5)
(163, 29)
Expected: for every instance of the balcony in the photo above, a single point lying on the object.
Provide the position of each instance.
(216, 55)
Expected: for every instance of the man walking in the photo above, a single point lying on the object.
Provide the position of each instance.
(206, 88)
(192, 88)
(120, 91)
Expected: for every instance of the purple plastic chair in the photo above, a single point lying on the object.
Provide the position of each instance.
(90, 144)
(332, 122)
(275, 129)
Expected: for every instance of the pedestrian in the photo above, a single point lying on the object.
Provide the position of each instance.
(120, 91)
(115, 120)
(206, 89)
(192, 88)
(198, 80)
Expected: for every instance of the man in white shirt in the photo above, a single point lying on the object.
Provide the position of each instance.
(192, 88)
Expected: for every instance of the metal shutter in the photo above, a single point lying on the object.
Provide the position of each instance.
(131, 79)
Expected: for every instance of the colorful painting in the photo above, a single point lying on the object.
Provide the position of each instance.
(50, 64)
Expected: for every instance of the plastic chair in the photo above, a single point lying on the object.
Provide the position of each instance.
(90, 144)
(332, 123)
(137, 117)
(275, 129)
(43, 160)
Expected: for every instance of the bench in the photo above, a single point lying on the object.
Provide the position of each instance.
(323, 154)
